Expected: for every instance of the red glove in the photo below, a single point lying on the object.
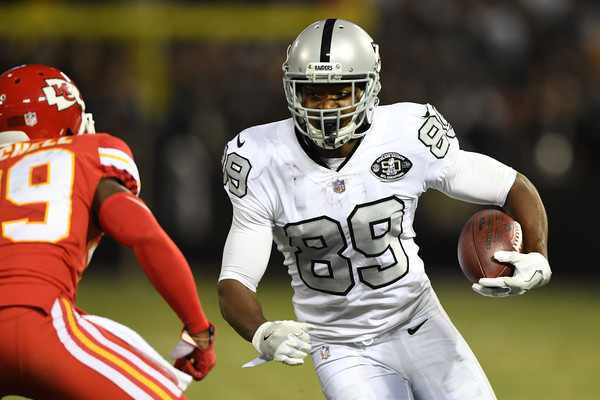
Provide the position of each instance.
(197, 362)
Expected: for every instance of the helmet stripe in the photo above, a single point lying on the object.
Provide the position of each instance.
(326, 40)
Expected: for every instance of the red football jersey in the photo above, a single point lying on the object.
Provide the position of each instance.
(46, 193)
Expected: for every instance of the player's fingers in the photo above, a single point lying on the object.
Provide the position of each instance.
(490, 291)
(288, 360)
(516, 283)
(306, 327)
(493, 282)
(187, 367)
(480, 289)
(297, 343)
(300, 336)
(292, 353)
(506, 256)
(289, 355)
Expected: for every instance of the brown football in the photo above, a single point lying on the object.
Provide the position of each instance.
(486, 232)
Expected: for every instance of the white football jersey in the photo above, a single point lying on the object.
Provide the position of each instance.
(346, 235)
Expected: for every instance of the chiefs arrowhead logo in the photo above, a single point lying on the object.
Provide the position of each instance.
(61, 93)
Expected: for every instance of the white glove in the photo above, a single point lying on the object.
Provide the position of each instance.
(283, 341)
(531, 271)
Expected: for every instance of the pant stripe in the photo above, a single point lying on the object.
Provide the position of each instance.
(81, 344)
(149, 369)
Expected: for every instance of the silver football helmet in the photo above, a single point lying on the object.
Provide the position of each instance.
(332, 51)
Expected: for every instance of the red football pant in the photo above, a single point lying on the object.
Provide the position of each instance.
(63, 356)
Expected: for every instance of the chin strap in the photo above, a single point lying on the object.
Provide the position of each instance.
(88, 125)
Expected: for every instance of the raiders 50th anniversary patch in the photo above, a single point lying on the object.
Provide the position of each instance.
(391, 166)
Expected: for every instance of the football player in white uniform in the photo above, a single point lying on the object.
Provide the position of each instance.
(336, 187)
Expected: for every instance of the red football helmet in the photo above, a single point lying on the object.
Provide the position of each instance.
(42, 102)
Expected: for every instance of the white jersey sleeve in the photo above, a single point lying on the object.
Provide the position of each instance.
(477, 178)
(247, 250)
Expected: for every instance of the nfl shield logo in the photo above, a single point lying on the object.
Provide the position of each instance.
(339, 186)
(30, 119)
(325, 352)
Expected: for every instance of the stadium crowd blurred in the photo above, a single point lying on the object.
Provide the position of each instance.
(519, 80)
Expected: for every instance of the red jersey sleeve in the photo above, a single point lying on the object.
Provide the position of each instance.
(117, 162)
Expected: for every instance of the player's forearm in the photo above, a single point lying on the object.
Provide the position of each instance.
(170, 274)
(240, 308)
(525, 205)
(127, 220)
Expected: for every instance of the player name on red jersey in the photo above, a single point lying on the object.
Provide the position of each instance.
(20, 148)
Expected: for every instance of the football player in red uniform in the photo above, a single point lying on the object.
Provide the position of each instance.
(61, 188)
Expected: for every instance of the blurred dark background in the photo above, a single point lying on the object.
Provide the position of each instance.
(518, 80)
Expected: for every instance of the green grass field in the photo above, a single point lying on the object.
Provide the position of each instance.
(544, 345)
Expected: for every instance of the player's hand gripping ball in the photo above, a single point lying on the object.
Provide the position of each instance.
(485, 233)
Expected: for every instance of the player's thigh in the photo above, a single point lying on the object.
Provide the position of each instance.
(9, 318)
(440, 364)
(346, 374)
(61, 356)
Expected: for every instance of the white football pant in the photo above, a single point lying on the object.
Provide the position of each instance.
(433, 363)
